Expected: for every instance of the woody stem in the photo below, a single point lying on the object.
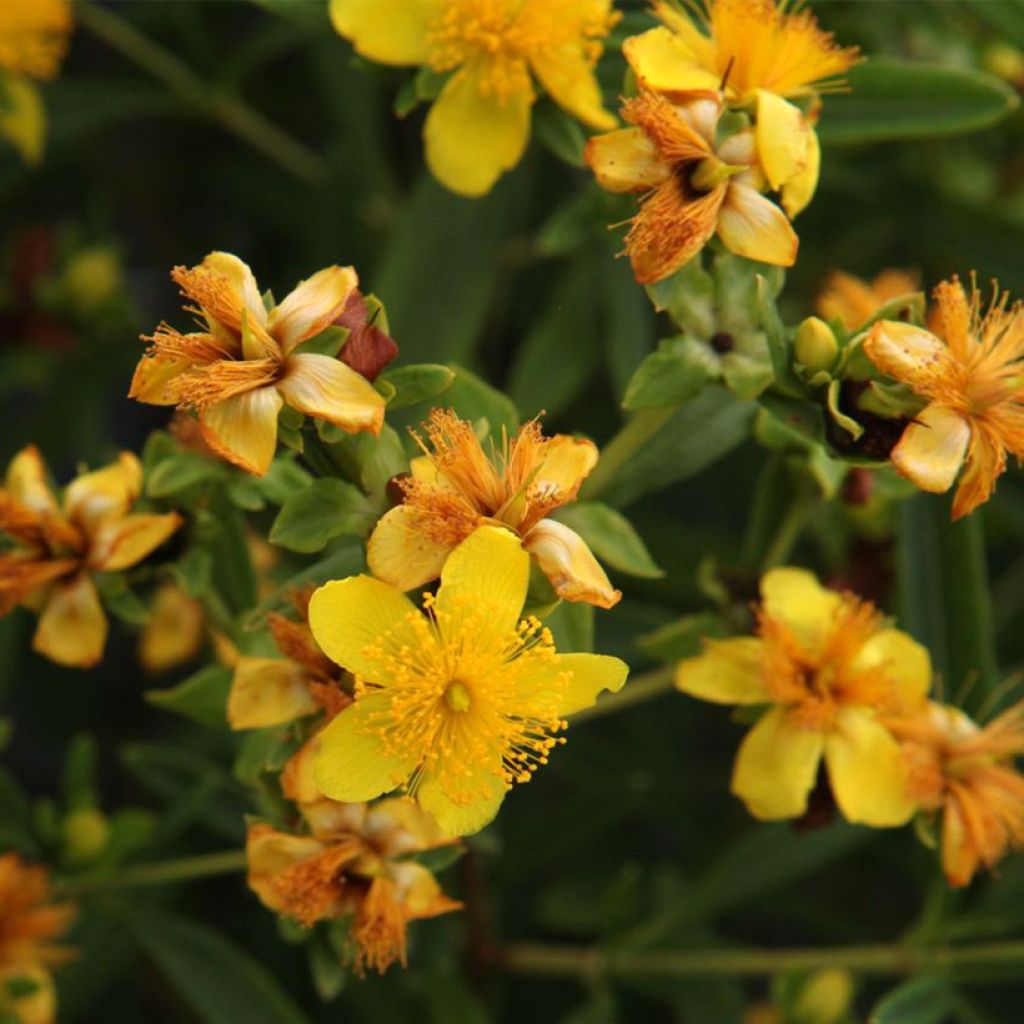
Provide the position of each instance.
(207, 865)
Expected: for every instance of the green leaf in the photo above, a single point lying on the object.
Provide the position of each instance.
(572, 624)
(329, 342)
(178, 472)
(120, 599)
(928, 999)
(416, 383)
(283, 479)
(891, 100)
(672, 375)
(326, 968)
(373, 461)
(474, 399)
(628, 321)
(682, 638)
(688, 296)
(203, 697)
(611, 537)
(218, 980)
(559, 132)
(779, 345)
(323, 510)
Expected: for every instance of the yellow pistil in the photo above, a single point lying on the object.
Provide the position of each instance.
(34, 36)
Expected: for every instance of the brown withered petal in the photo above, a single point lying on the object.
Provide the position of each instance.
(368, 349)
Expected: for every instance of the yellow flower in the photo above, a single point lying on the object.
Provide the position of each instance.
(853, 301)
(30, 921)
(242, 366)
(455, 704)
(173, 633)
(695, 188)
(456, 487)
(763, 55)
(58, 545)
(479, 125)
(966, 774)
(969, 370)
(353, 864)
(826, 666)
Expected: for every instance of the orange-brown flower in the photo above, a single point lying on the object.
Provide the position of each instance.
(853, 301)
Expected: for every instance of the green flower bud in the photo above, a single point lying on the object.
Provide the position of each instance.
(825, 998)
(85, 834)
(815, 347)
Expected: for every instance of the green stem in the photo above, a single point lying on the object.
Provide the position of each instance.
(588, 963)
(207, 865)
(789, 529)
(236, 116)
(636, 691)
(638, 430)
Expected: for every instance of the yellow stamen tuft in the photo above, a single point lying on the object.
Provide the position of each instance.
(212, 292)
(205, 385)
(379, 929)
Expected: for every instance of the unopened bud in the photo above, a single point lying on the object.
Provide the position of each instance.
(1005, 61)
(85, 834)
(91, 278)
(825, 997)
(815, 347)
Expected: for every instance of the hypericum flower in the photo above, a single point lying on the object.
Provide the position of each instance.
(695, 187)
(354, 864)
(479, 125)
(456, 487)
(240, 369)
(762, 55)
(455, 703)
(971, 372)
(826, 665)
(57, 546)
(853, 301)
(174, 631)
(30, 923)
(967, 774)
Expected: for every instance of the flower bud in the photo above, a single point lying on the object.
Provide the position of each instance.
(815, 347)
(825, 998)
(1005, 61)
(91, 278)
(85, 834)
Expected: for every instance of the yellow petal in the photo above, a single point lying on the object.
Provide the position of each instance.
(783, 138)
(104, 494)
(348, 615)
(866, 771)
(931, 450)
(906, 662)
(270, 853)
(569, 80)
(800, 189)
(352, 764)
(174, 632)
(754, 227)
(776, 767)
(243, 429)
(325, 387)
(298, 783)
(625, 161)
(154, 380)
(961, 856)
(796, 598)
(578, 678)
(119, 544)
(72, 628)
(471, 138)
(488, 570)
(389, 31)
(311, 306)
(665, 63)
(728, 672)
(27, 481)
(399, 826)
(243, 283)
(986, 460)
(419, 892)
(268, 691)
(564, 464)
(400, 553)
(23, 118)
(36, 1007)
(563, 556)
(463, 818)
(907, 353)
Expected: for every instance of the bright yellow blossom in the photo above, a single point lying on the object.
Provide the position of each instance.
(57, 546)
(966, 773)
(174, 631)
(480, 123)
(853, 301)
(355, 863)
(241, 367)
(455, 703)
(30, 922)
(695, 188)
(826, 666)
(971, 372)
(763, 55)
(456, 487)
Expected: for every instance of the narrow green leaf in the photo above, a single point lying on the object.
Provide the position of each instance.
(559, 132)
(178, 472)
(417, 383)
(670, 376)
(779, 345)
(682, 638)
(925, 1000)
(120, 599)
(203, 697)
(321, 511)
(611, 536)
(891, 100)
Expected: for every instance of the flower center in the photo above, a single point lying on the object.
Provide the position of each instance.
(457, 696)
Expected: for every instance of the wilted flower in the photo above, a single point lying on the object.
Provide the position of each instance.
(853, 301)
(825, 665)
(57, 546)
(480, 123)
(970, 371)
(355, 863)
(457, 702)
(695, 186)
(966, 774)
(242, 367)
(456, 487)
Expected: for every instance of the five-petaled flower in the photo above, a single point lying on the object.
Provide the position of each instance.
(456, 487)
(244, 363)
(57, 546)
(971, 371)
(694, 185)
(454, 703)
(825, 665)
(480, 123)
